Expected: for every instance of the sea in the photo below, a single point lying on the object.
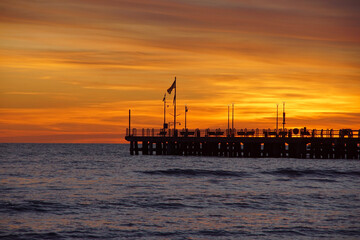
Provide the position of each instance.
(100, 191)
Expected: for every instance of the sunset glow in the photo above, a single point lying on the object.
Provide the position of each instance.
(71, 70)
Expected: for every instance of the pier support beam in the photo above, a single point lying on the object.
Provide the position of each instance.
(151, 148)
(351, 151)
(145, 148)
(136, 148)
(339, 149)
(170, 148)
(131, 148)
(248, 147)
(159, 149)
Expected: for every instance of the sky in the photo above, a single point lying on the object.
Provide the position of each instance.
(71, 70)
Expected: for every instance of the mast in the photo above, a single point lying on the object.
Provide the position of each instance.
(174, 102)
(164, 111)
(175, 110)
(283, 116)
(228, 120)
(186, 109)
(232, 119)
(277, 118)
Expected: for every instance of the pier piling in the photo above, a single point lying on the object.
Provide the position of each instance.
(327, 144)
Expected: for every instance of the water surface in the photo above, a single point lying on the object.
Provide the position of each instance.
(69, 191)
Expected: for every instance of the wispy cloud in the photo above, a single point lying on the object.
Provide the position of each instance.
(70, 65)
(25, 93)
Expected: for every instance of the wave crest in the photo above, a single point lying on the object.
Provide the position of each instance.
(195, 173)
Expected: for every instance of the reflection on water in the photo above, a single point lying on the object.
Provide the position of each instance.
(88, 191)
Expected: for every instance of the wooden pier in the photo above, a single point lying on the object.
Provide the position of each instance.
(294, 143)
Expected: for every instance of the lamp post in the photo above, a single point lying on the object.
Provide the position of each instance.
(228, 131)
(232, 123)
(186, 110)
(129, 122)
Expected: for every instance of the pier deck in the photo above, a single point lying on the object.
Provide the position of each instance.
(320, 144)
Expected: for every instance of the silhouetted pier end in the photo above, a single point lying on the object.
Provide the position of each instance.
(247, 143)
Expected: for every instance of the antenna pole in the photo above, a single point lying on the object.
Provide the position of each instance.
(228, 119)
(164, 112)
(185, 117)
(283, 116)
(129, 122)
(232, 123)
(175, 110)
(277, 118)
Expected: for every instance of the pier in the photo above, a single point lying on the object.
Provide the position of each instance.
(247, 143)
(243, 143)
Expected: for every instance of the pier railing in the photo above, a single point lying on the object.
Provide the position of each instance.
(245, 132)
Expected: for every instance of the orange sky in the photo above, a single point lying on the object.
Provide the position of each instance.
(70, 70)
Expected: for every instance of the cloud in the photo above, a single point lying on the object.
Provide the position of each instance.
(328, 21)
(68, 65)
(66, 138)
(26, 93)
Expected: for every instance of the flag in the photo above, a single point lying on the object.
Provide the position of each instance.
(164, 97)
(172, 87)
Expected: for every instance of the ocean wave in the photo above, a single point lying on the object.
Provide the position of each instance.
(195, 173)
(31, 235)
(163, 205)
(289, 172)
(31, 206)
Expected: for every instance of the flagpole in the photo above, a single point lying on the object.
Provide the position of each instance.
(164, 111)
(175, 110)
(185, 117)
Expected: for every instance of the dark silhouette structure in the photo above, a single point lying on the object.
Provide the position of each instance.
(248, 143)
(254, 143)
